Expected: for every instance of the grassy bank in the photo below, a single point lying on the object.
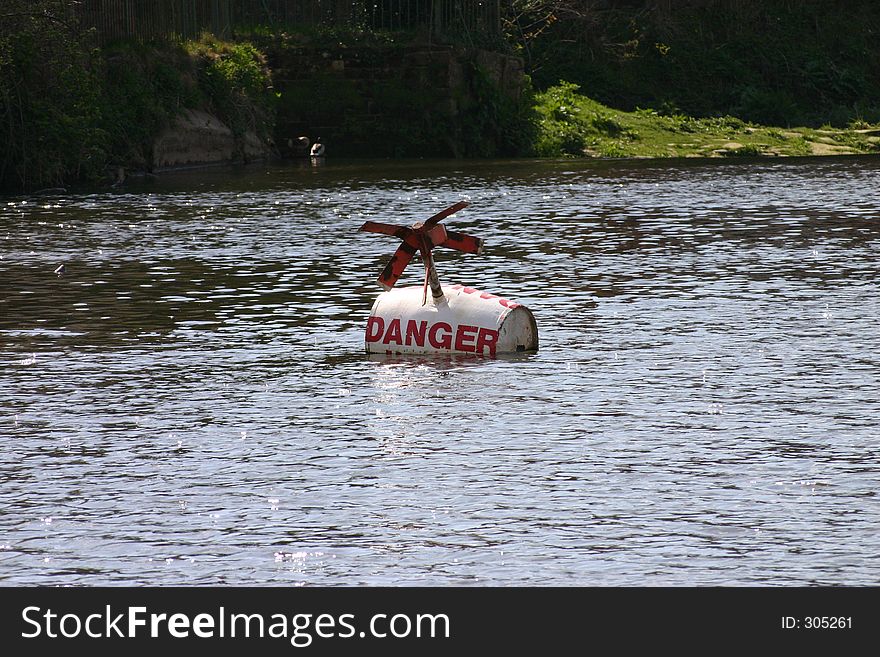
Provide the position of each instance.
(572, 124)
(779, 62)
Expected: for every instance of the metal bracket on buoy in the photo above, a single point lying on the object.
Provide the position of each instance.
(423, 237)
(462, 320)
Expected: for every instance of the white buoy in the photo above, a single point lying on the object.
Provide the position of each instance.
(463, 321)
(452, 319)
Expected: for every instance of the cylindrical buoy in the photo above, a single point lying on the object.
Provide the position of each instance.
(463, 321)
(455, 319)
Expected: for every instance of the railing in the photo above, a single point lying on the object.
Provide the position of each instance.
(148, 20)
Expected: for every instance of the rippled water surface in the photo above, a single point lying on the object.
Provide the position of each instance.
(189, 403)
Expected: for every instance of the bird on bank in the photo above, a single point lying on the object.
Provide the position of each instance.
(317, 148)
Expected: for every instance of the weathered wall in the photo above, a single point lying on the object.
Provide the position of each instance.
(198, 138)
(369, 101)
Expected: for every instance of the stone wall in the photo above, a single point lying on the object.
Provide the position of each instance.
(198, 138)
(368, 101)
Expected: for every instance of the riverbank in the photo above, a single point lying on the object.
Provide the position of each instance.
(71, 112)
(572, 124)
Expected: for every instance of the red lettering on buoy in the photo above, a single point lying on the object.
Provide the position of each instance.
(416, 333)
(375, 329)
(393, 333)
(440, 342)
(464, 337)
(486, 338)
(508, 304)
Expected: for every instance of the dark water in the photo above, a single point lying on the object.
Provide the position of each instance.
(190, 403)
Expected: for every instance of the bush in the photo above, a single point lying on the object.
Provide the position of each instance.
(493, 122)
(68, 112)
(569, 123)
(236, 79)
(145, 87)
(562, 124)
(783, 63)
(50, 120)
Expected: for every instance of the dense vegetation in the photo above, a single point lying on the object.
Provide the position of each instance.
(702, 77)
(50, 119)
(777, 62)
(70, 111)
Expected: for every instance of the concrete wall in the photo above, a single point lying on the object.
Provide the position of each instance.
(359, 99)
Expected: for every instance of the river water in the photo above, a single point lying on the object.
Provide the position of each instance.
(190, 401)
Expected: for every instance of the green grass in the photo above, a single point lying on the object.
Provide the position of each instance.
(237, 80)
(571, 124)
(772, 63)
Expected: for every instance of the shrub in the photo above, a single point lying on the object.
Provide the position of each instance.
(237, 81)
(50, 121)
(569, 122)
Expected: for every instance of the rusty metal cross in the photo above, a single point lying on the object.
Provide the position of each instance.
(423, 237)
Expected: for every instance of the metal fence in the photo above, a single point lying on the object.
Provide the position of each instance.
(147, 20)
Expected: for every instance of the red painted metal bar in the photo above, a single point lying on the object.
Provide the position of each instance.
(393, 270)
(440, 216)
(462, 242)
(386, 229)
(422, 237)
